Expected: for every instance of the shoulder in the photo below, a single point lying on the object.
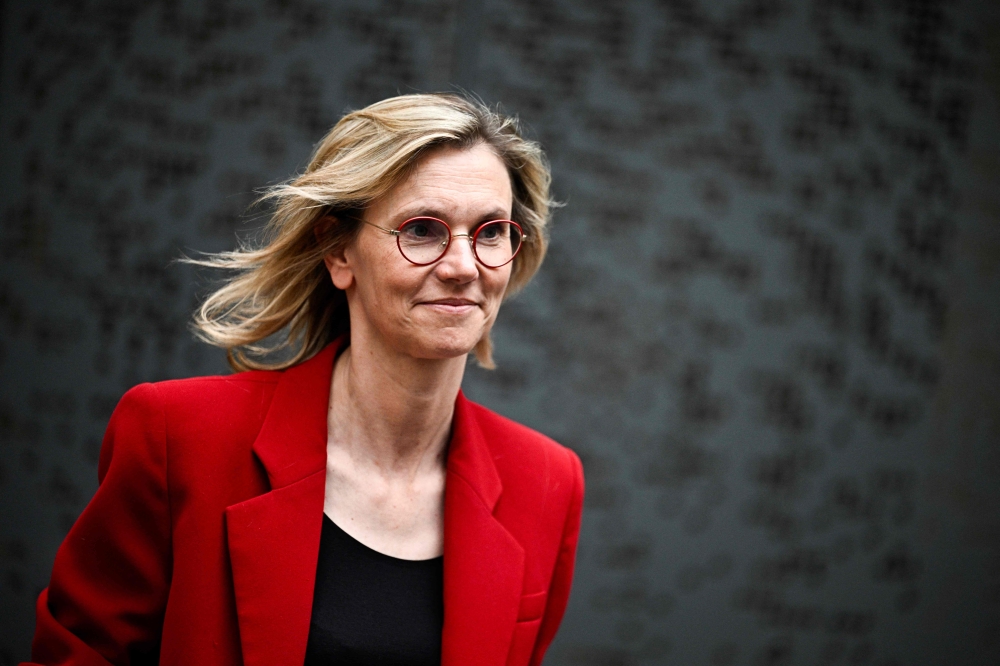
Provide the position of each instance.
(522, 453)
(203, 394)
(187, 413)
(212, 387)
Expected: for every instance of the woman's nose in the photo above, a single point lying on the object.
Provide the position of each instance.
(459, 261)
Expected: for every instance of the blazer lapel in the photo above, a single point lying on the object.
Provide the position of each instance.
(483, 563)
(274, 538)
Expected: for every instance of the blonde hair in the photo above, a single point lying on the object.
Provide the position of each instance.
(282, 286)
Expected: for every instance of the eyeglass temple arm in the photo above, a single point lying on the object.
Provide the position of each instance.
(391, 232)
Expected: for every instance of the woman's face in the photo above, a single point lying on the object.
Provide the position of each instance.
(441, 310)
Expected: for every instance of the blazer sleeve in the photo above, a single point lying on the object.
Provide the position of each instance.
(562, 577)
(106, 598)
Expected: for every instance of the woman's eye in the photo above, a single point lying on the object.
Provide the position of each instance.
(492, 232)
(424, 231)
(417, 231)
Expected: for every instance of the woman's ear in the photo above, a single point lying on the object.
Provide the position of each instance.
(337, 262)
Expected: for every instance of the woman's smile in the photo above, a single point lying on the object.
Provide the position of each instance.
(451, 306)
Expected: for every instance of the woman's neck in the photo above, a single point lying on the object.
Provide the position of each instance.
(390, 410)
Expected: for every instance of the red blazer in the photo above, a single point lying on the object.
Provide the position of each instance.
(202, 540)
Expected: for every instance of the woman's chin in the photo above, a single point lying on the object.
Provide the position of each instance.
(444, 346)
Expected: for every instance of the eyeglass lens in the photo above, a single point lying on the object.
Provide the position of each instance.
(424, 240)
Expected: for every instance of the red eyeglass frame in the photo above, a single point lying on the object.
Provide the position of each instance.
(472, 238)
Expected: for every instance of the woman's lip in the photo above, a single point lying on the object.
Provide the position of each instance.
(452, 302)
(451, 307)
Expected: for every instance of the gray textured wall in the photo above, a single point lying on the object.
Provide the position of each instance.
(768, 323)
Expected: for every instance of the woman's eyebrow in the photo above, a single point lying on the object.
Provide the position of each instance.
(425, 211)
(496, 214)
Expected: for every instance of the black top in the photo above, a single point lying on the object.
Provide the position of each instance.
(370, 608)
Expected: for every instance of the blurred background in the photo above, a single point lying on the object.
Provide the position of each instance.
(769, 320)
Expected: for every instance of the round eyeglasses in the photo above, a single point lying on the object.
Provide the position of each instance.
(424, 240)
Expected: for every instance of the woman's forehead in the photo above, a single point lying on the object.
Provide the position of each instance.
(450, 181)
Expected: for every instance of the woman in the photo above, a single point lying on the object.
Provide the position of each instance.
(347, 504)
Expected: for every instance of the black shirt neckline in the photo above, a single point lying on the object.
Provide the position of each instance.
(368, 551)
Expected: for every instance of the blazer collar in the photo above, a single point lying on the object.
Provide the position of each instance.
(274, 538)
(291, 443)
(469, 455)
